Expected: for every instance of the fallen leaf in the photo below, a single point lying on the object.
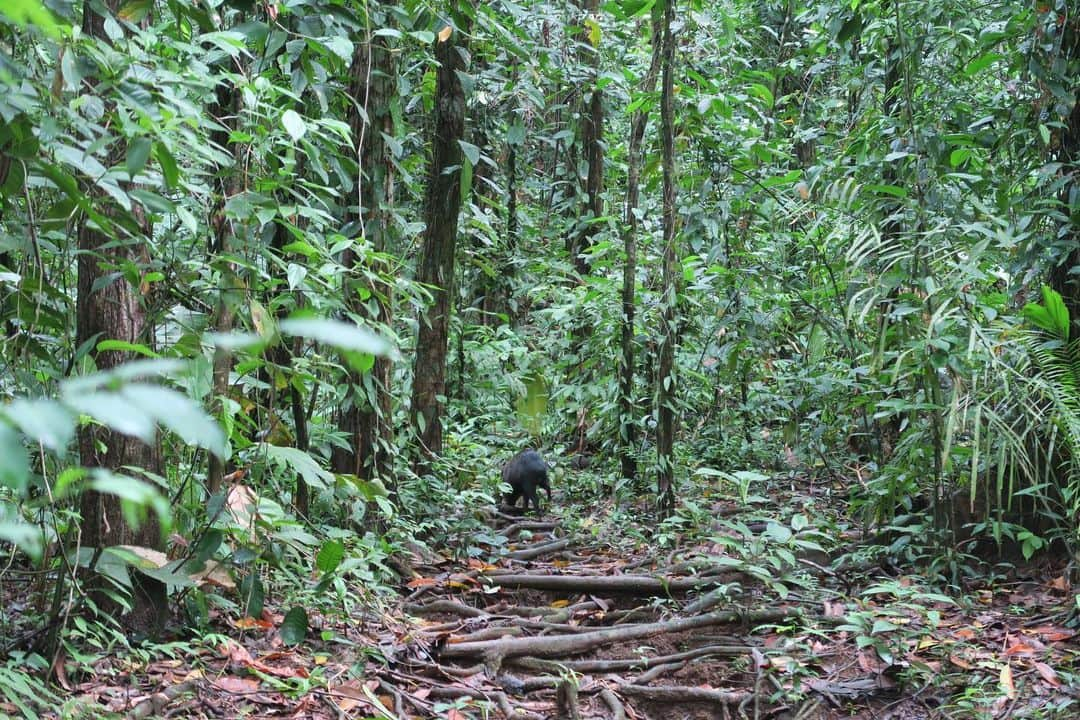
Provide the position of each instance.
(1019, 649)
(236, 685)
(959, 662)
(1005, 680)
(250, 623)
(1048, 674)
(421, 582)
(1059, 583)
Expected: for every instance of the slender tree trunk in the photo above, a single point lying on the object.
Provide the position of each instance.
(1062, 278)
(111, 308)
(436, 266)
(667, 390)
(229, 291)
(509, 268)
(592, 141)
(627, 420)
(367, 415)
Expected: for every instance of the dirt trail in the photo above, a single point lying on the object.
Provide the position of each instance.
(564, 628)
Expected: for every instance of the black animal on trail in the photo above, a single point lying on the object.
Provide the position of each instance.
(525, 472)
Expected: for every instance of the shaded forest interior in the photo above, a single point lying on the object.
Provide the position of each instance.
(635, 359)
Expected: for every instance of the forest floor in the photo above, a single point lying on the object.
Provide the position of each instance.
(569, 625)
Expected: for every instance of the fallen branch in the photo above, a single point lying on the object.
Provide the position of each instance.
(532, 525)
(536, 551)
(448, 607)
(600, 667)
(614, 704)
(639, 585)
(681, 693)
(156, 703)
(496, 696)
(494, 651)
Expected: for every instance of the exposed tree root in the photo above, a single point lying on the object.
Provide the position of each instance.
(156, 703)
(531, 553)
(636, 585)
(622, 665)
(494, 651)
(678, 693)
(618, 712)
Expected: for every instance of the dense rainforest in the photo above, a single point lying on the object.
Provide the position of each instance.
(622, 359)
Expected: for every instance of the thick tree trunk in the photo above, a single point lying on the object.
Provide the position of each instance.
(112, 309)
(627, 424)
(667, 390)
(436, 267)
(366, 417)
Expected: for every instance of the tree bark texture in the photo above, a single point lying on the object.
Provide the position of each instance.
(230, 294)
(592, 142)
(436, 266)
(1062, 278)
(367, 415)
(627, 421)
(113, 309)
(666, 392)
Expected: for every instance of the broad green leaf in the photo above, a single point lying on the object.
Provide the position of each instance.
(336, 333)
(301, 463)
(14, 463)
(959, 156)
(234, 341)
(340, 46)
(763, 93)
(593, 29)
(330, 556)
(980, 63)
(1044, 133)
(426, 37)
(179, 414)
(301, 247)
(295, 275)
(294, 627)
(881, 626)
(252, 595)
(169, 169)
(294, 124)
(137, 496)
(472, 153)
(465, 187)
(22, 535)
(893, 190)
(115, 412)
(125, 346)
(138, 152)
(31, 12)
(41, 421)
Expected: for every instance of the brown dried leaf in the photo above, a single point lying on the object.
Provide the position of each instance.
(1048, 674)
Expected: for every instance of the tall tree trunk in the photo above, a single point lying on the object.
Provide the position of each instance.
(229, 290)
(436, 267)
(592, 139)
(1062, 276)
(109, 307)
(667, 390)
(367, 415)
(640, 118)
